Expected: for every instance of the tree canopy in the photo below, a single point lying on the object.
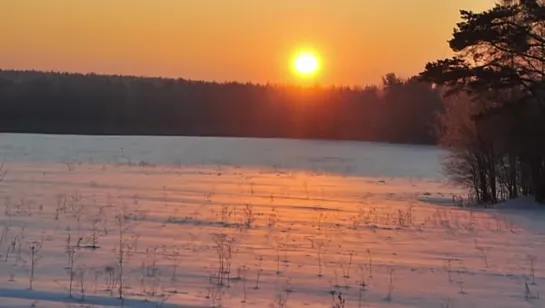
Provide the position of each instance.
(498, 49)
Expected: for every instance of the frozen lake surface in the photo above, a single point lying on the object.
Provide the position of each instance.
(348, 158)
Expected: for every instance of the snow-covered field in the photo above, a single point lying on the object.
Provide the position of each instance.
(204, 222)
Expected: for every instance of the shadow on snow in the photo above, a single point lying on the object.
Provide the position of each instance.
(34, 295)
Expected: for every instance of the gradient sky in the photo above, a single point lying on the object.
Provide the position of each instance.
(243, 40)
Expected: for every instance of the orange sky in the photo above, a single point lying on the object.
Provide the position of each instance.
(242, 40)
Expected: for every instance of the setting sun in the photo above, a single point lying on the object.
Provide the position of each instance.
(306, 64)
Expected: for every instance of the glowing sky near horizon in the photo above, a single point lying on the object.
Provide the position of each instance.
(243, 40)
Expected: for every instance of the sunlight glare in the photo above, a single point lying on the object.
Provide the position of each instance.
(306, 63)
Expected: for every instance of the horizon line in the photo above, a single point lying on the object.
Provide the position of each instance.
(179, 78)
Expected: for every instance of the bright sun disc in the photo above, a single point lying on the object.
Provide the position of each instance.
(306, 64)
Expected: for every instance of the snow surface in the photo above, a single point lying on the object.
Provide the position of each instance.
(297, 220)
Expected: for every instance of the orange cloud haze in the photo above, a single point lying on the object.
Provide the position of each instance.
(243, 40)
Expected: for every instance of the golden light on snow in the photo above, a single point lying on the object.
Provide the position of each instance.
(327, 214)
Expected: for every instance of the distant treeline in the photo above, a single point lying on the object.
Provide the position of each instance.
(403, 111)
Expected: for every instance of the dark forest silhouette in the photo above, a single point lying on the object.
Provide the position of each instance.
(401, 111)
(494, 125)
